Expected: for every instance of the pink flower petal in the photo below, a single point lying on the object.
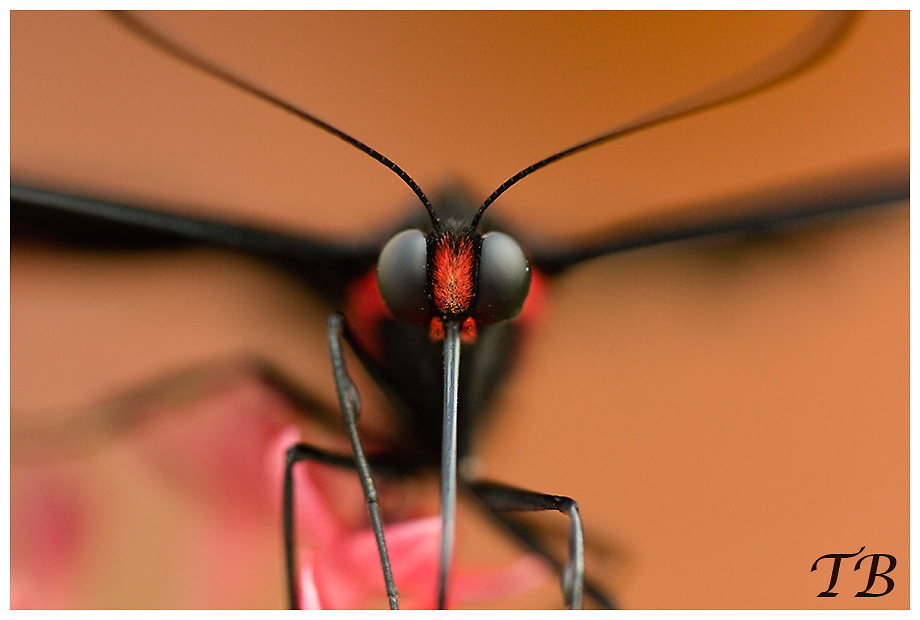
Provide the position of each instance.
(309, 593)
(525, 574)
(214, 440)
(341, 568)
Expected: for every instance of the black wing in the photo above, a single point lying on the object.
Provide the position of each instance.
(97, 224)
(106, 225)
(765, 211)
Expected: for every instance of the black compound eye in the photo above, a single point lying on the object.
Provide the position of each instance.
(504, 279)
(402, 276)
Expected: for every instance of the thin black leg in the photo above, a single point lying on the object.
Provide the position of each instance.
(532, 539)
(295, 454)
(304, 452)
(350, 403)
(498, 499)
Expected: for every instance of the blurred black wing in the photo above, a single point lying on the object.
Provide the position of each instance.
(763, 212)
(331, 266)
(99, 225)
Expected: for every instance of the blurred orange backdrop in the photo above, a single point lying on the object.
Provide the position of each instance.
(724, 414)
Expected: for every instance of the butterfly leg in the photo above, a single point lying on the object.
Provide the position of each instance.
(350, 403)
(500, 498)
(296, 454)
(533, 540)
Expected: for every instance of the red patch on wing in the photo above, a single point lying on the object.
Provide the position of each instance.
(452, 275)
(535, 302)
(365, 310)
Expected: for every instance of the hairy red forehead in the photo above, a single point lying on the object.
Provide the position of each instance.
(452, 275)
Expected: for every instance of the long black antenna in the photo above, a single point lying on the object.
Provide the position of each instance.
(186, 56)
(798, 55)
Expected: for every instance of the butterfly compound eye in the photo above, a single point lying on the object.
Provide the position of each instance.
(504, 279)
(402, 276)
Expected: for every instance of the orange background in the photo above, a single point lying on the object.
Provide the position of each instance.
(723, 413)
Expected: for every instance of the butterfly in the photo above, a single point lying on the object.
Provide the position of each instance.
(603, 364)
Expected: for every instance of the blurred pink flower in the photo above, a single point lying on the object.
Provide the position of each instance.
(48, 532)
(219, 440)
(341, 568)
(203, 436)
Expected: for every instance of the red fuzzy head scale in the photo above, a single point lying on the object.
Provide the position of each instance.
(453, 274)
(468, 333)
